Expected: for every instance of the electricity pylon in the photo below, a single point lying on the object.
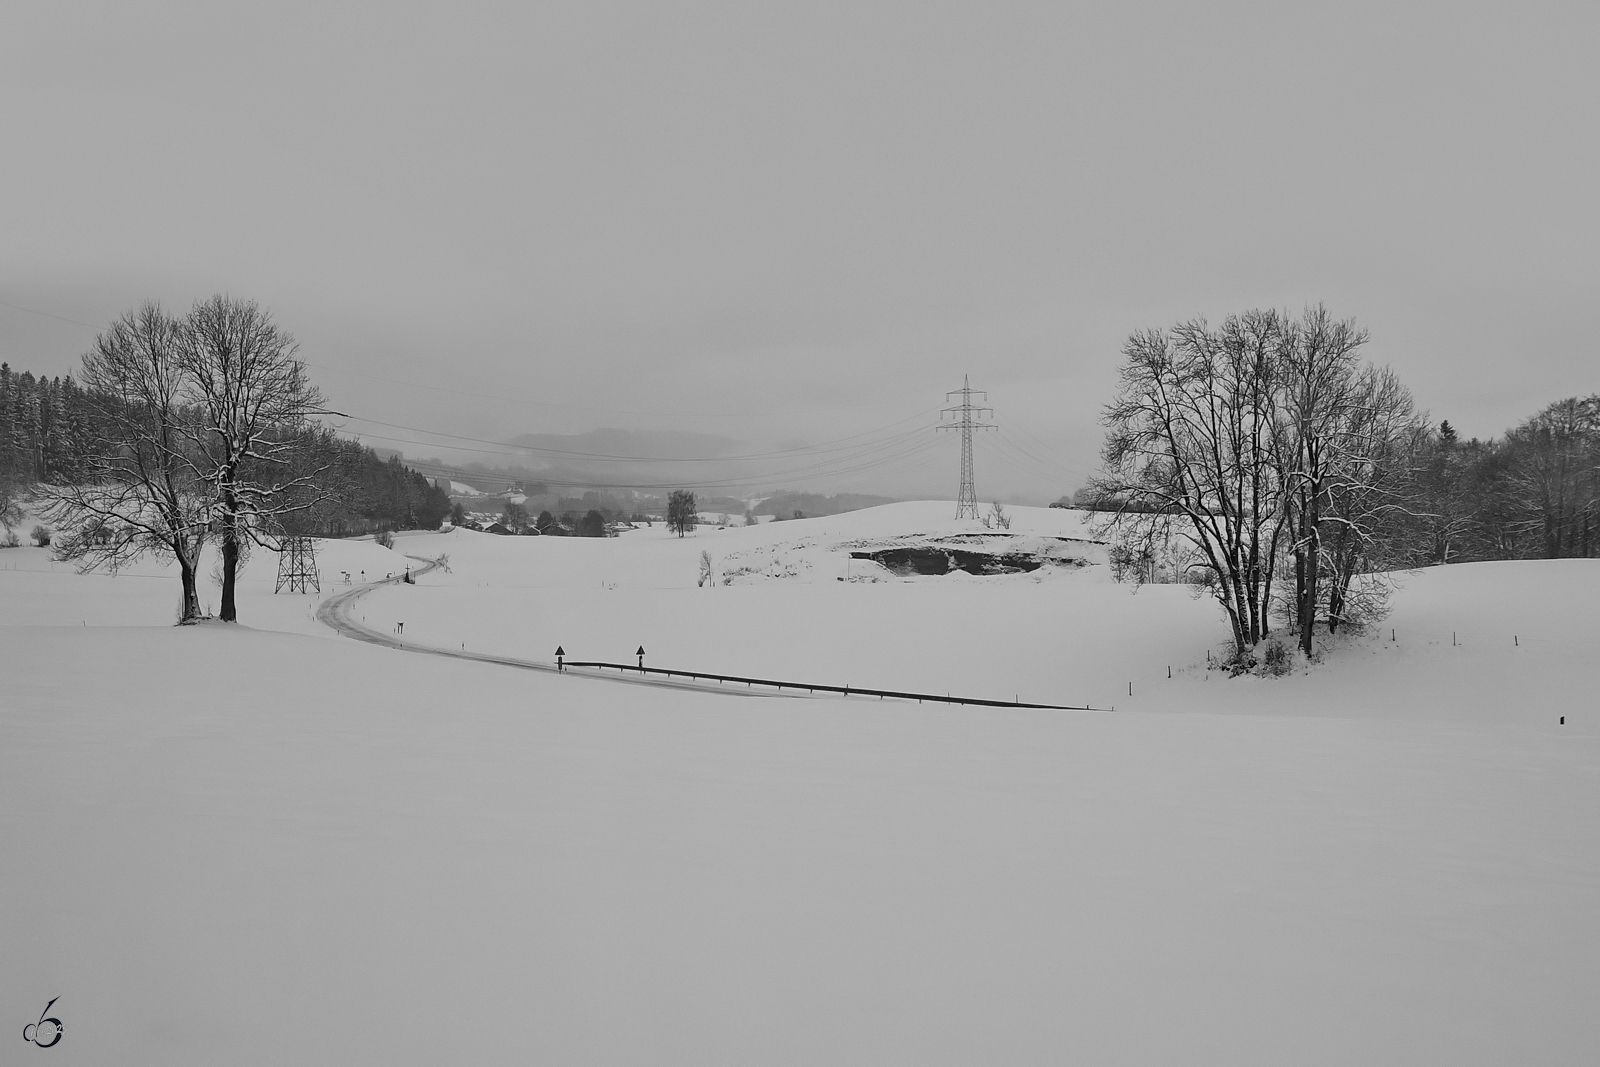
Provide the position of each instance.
(297, 566)
(966, 417)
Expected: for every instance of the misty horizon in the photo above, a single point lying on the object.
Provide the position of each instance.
(792, 227)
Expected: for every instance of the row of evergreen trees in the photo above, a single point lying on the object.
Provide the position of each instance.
(363, 493)
(47, 434)
(45, 427)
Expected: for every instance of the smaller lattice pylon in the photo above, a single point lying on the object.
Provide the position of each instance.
(297, 566)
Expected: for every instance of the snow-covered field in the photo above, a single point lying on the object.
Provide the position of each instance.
(269, 844)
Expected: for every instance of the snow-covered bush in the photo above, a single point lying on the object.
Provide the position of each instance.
(384, 539)
(10, 539)
(41, 536)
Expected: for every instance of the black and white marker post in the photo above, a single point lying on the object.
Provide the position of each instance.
(560, 657)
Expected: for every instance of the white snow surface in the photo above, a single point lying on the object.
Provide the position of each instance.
(265, 843)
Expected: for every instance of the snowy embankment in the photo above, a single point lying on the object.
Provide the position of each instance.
(227, 844)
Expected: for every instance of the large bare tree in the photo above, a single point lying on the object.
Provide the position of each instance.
(252, 399)
(1317, 437)
(142, 490)
(1264, 437)
(1191, 435)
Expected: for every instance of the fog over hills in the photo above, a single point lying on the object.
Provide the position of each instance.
(635, 444)
(876, 466)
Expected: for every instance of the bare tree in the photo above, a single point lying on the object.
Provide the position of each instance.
(681, 514)
(1191, 435)
(1555, 475)
(1371, 525)
(252, 400)
(11, 494)
(142, 491)
(1313, 439)
(1443, 479)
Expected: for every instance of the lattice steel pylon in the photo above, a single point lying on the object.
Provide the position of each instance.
(297, 566)
(966, 417)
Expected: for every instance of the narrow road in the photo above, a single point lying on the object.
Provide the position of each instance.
(336, 613)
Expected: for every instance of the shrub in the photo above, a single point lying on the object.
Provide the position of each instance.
(10, 539)
(1276, 659)
(1131, 561)
(384, 538)
(41, 536)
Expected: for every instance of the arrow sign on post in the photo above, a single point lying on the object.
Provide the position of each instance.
(640, 654)
(560, 652)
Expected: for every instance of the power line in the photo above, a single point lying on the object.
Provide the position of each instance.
(47, 315)
(1050, 454)
(1026, 461)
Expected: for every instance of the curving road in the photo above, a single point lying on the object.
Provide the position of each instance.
(336, 613)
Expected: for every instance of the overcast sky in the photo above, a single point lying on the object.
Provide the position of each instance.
(787, 223)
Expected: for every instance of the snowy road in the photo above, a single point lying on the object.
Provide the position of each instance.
(336, 613)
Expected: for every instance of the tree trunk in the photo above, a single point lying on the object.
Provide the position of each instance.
(191, 595)
(230, 568)
(1299, 589)
(1308, 611)
(1311, 548)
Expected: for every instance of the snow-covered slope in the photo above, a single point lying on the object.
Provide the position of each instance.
(255, 845)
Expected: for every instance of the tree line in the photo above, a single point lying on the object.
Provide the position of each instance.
(188, 430)
(1263, 459)
(44, 430)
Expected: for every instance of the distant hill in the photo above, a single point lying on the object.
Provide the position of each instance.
(642, 444)
(814, 505)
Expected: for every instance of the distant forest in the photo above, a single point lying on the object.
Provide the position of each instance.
(1532, 494)
(48, 433)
